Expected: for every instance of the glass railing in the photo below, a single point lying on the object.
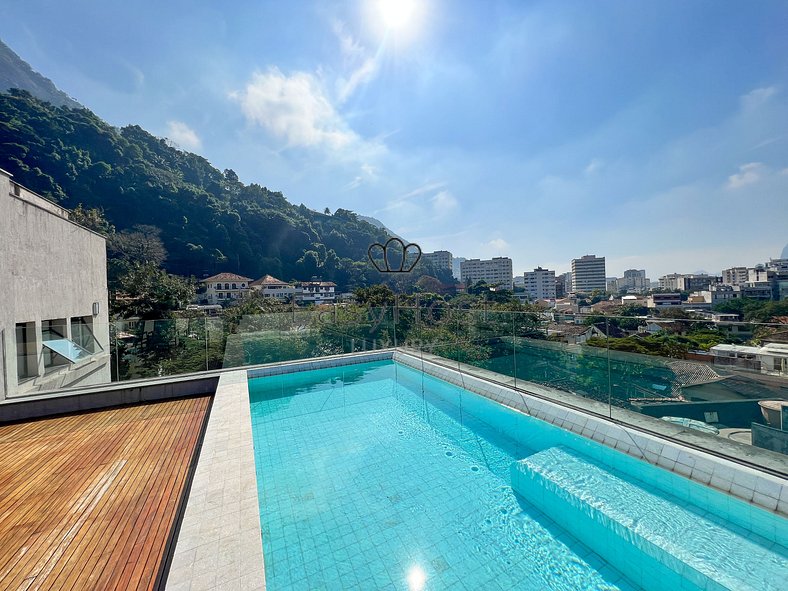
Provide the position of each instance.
(725, 380)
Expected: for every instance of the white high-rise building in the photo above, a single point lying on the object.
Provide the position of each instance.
(495, 271)
(588, 274)
(540, 284)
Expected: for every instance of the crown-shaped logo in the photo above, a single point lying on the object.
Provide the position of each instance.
(408, 254)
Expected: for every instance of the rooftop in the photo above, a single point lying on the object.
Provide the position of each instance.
(226, 277)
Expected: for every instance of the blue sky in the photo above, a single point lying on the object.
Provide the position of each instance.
(653, 133)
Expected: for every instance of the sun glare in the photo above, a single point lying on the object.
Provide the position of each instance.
(396, 14)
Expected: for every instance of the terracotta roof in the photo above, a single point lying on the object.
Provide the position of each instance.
(269, 280)
(226, 277)
(573, 329)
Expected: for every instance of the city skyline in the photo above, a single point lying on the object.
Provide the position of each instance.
(539, 131)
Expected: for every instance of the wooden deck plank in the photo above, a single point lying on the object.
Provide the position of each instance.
(109, 564)
(85, 556)
(89, 499)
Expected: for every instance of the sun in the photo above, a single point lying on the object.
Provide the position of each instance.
(396, 14)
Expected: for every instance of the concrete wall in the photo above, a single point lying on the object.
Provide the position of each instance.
(770, 438)
(50, 268)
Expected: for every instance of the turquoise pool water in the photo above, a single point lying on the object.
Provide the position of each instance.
(376, 476)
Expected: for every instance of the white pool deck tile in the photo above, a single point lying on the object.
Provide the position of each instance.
(219, 545)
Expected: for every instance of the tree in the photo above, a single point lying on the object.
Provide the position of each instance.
(375, 296)
(141, 245)
(149, 292)
(92, 219)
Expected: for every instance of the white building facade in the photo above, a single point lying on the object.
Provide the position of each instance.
(495, 271)
(317, 292)
(440, 260)
(588, 274)
(540, 284)
(224, 288)
(54, 320)
(271, 287)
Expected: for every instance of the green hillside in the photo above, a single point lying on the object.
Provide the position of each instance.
(209, 220)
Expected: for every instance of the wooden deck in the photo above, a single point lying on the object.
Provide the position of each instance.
(88, 501)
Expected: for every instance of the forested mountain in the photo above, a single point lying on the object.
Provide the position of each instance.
(209, 220)
(17, 73)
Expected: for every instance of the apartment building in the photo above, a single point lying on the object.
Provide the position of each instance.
(495, 271)
(540, 284)
(735, 276)
(588, 274)
(54, 318)
(316, 292)
(440, 260)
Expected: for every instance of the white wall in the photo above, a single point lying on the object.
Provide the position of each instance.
(50, 268)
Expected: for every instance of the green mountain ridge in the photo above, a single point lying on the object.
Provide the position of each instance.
(209, 220)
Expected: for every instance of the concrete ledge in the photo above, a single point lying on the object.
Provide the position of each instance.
(95, 397)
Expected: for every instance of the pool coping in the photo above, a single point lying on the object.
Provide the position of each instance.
(219, 543)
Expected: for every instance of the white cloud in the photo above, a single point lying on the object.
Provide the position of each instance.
(361, 75)
(183, 135)
(756, 98)
(594, 166)
(349, 47)
(443, 203)
(294, 109)
(362, 66)
(499, 245)
(748, 174)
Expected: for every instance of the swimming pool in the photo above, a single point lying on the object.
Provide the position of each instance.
(377, 476)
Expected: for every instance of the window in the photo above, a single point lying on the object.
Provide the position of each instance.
(82, 334)
(26, 363)
(53, 331)
(234, 287)
(221, 296)
(58, 349)
(226, 286)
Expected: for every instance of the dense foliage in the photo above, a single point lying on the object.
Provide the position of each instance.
(208, 220)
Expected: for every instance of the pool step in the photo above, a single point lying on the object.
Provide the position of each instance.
(655, 541)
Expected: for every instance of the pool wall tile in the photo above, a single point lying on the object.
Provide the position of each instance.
(706, 469)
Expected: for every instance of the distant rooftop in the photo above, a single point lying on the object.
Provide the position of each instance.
(268, 280)
(226, 277)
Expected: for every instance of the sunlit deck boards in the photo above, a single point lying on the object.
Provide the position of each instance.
(87, 501)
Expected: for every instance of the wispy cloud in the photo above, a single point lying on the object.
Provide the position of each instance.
(361, 75)
(443, 204)
(748, 174)
(594, 166)
(499, 245)
(757, 97)
(360, 65)
(183, 135)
